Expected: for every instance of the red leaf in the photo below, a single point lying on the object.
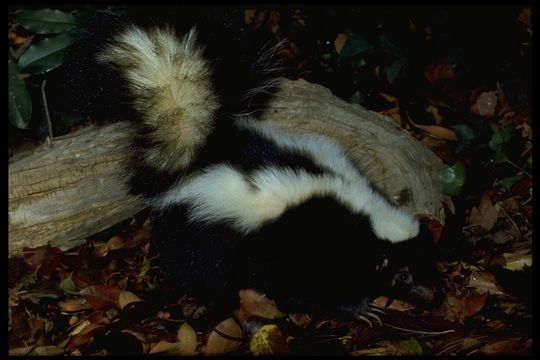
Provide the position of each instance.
(100, 296)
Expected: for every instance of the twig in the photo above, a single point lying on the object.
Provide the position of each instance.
(511, 220)
(46, 108)
(421, 332)
(520, 169)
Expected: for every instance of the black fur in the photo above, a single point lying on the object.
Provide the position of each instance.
(316, 257)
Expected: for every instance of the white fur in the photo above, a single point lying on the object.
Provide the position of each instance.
(223, 193)
(178, 78)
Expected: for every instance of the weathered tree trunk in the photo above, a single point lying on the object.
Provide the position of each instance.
(73, 189)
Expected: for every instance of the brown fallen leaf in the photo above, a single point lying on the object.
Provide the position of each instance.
(395, 304)
(508, 346)
(439, 71)
(100, 296)
(474, 304)
(484, 282)
(253, 303)
(226, 337)
(485, 215)
(74, 304)
(340, 41)
(436, 131)
(517, 261)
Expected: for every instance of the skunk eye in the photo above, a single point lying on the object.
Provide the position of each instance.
(403, 276)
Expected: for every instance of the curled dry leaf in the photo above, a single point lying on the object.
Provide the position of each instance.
(226, 337)
(268, 341)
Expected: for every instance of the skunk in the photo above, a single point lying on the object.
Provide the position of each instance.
(238, 203)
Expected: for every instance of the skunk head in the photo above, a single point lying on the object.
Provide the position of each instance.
(408, 271)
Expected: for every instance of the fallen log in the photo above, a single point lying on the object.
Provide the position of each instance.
(65, 192)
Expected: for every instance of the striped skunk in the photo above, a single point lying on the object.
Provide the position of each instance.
(238, 203)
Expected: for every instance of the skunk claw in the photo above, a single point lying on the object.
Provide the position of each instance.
(363, 318)
(374, 316)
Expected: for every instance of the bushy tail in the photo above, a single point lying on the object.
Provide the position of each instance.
(170, 84)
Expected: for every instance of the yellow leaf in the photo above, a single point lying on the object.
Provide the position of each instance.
(165, 347)
(79, 327)
(127, 297)
(187, 338)
(268, 341)
(219, 344)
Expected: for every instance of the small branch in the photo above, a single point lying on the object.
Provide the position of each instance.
(46, 108)
(520, 169)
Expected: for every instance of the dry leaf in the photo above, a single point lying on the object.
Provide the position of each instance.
(79, 327)
(75, 304)
(484, 282)
(486, 214)
(268, 341)
(474, 304)
(165, 347)
(517, 262)
(340, 41)
(218, 344)
(301, 320)
(507, 347)
(48, 350)
(434, 111)
(126, 298)
(187, 338)
(439, 71)
(438, 132)
(249, 15)
(253, 303)
(100, 296)
(395, 304)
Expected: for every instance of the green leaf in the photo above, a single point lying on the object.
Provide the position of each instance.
(68, 286)
(46, 21)
(19, 101)
(45, 55)
(354, 45)
(508, 182)
(498, 143)
(394, 70)
(357, 98)
(145, 266)
(452, 179)
(412, 345)
(465, 135)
